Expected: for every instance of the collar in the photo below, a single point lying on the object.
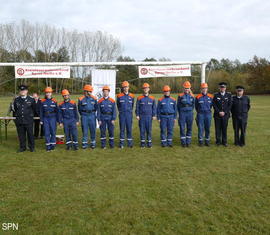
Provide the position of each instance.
(107, 97)
(23, 96)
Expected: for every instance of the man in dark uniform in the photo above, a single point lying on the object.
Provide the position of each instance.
(38, 129)
(24, 107)
(240, 108)
(222, 103)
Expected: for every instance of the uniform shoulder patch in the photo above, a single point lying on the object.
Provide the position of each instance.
(199, 96)
(140, 97)
(54, 100)
(160, 99)
(173, 98)
(100, 100)
(81, 98)
(93, 97)
(131, 95)
(151, 97)
(120, 95)
(61, 103)
(43, 100)
(72, 102)
(111, 99)
(210, 95)
(181, 94)
(192, 94)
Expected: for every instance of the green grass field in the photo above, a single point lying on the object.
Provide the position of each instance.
(197, 190)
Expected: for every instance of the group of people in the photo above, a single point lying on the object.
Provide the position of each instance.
(91, 111)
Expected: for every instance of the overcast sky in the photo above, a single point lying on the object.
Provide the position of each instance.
(175, 29)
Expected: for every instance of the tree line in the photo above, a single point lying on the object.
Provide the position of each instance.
(27, 42)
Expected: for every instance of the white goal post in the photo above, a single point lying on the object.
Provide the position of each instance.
(77, 64)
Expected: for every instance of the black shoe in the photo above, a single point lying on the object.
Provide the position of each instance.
(75, 148)
(225, 145)
(111, 147)
(200, 144)
(21, 150)
(207, 144)
(92, 146)
(163, 146)
(131, 146)
(183, 145)
(121, 146)
(187, 145)
(103, 147)
(149, 146)
(32, 150)
(217, 144)
(68, 147)
(170, 145)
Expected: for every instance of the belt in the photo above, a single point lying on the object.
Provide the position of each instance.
(167, 114)
(49, 112)
(88, 111)
(107, 113)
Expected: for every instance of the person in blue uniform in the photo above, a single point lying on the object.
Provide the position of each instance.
(87, 105)
(145, 113)
(185, 106)
(125, 103)
(166, 115)
(222, 103)
(23, 108)
(49, 118)
(240, 108)
(106, 115)
(203, 106)
(69, 118)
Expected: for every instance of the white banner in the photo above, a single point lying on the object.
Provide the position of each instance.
(165, 71)
(101, 78)
(42, 71)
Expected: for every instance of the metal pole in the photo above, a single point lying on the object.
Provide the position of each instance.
(15, 87)
(203, 72)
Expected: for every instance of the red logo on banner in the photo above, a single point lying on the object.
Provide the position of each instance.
(144, 71)
(20, 71)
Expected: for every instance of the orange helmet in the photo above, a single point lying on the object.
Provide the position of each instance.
(204, 85)
(166, 88)
(125, 83)
(186, 84)
(48, 90)
(145, 85)
(88, 88)
(65, 92)
(106, 88)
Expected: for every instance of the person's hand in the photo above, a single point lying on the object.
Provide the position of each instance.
(61, 125)
(158, 120)
(174, 120)
(41, 123)
(77, 123)
(113, 121)
(99, 122)
(138, 118)
(221, 114)
(154, 118)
